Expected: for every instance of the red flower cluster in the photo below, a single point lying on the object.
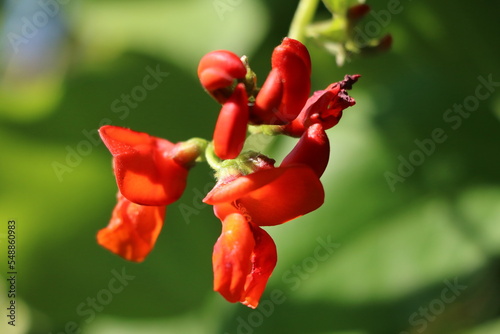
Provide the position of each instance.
(250, 192)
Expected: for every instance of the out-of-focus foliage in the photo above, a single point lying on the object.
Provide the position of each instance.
(414, 246)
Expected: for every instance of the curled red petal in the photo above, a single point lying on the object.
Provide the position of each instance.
(231, 127)
(218, 69)
(132, 230)
(215, 78)
(144, 169)
(232, 257)
(313, 150)
(324, 106)
(317, 102)
(264, 258)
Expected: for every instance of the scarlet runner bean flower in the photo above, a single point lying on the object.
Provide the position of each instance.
(245, 255)
(147, 168)
(150, 173)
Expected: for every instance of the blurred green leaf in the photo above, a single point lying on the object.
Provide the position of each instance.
(340, 7)
(161, 29)
(490, 327)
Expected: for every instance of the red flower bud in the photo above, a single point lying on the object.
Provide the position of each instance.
(313, 150)
(287, 86)
(231, 127)
(143, 165)
(132, 230)
(218, 69)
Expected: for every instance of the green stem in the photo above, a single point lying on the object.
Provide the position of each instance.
(213, 160)
(303, 16)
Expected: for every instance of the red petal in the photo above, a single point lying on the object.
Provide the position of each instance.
(296, 192)
(231, 128)
(272, 196)
(214, 78)
(133, 229)
(313, 149)
(324, 106)
(317, 103)
(232, 257)
(292, 60)
(218, 69)
(121, 140)
(223, 210)
(240, 186)
(287, 86)
(339, 100)
(264, 258)
(144, 170)
(268, 100)
(296, 47)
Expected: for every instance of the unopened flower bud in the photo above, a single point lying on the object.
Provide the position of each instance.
(217, 70)
(231, 127)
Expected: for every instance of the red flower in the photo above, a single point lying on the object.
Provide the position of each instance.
(243, 259)
(245, 255)
(231, 127)
(324, 106)
(133, 229)
(287, 86)
(145, 167)
(151, 173)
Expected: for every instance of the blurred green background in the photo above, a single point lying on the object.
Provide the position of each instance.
(415, 255)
